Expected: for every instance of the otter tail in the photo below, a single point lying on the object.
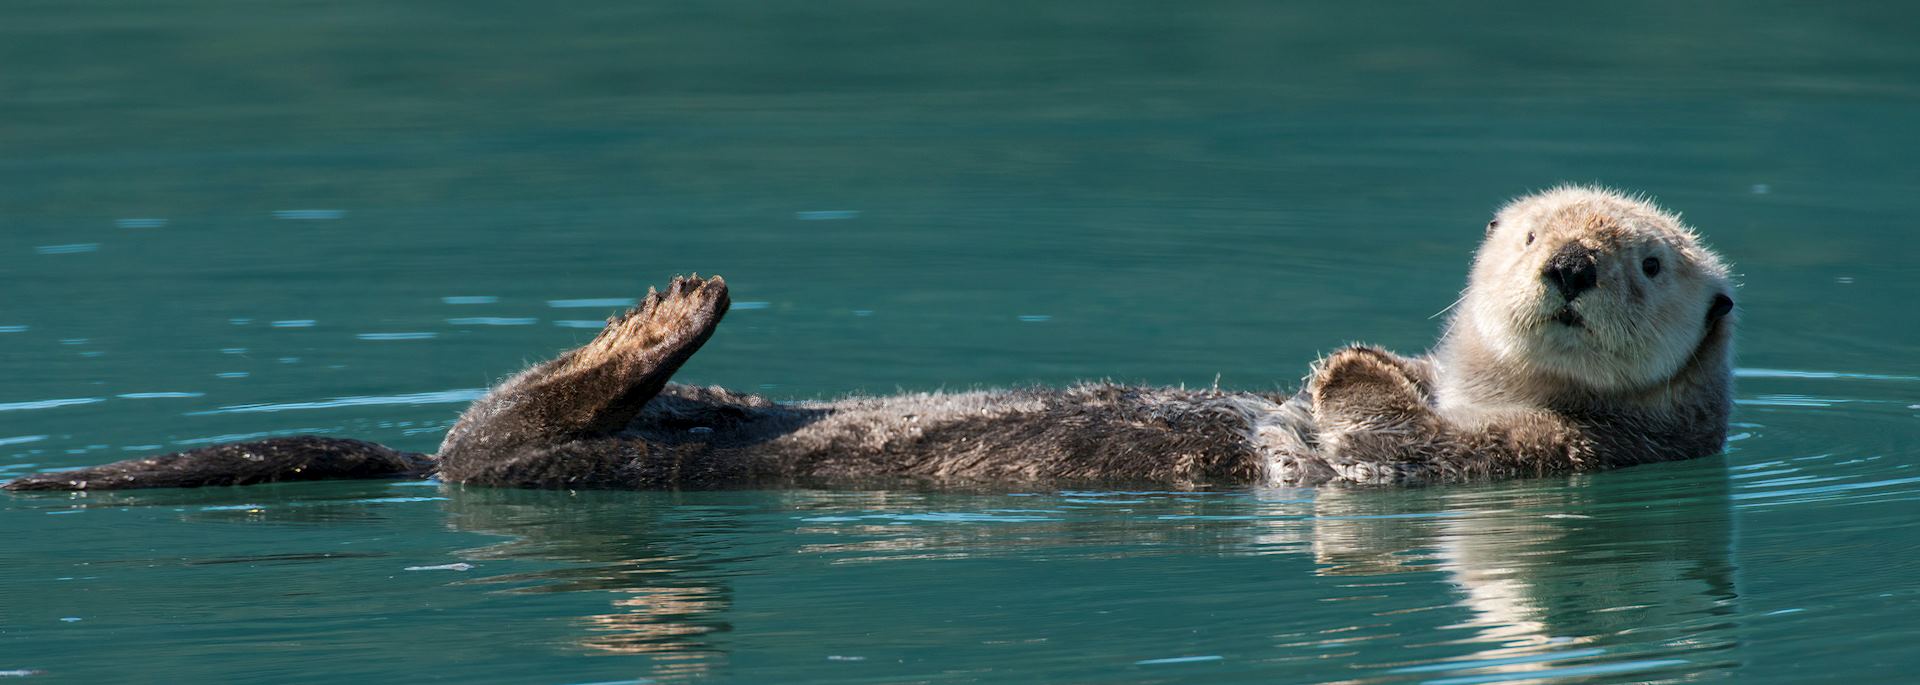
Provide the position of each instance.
(275, 460)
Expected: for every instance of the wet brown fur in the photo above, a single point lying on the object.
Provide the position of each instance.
(709, 437)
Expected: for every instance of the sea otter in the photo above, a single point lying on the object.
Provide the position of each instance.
(1596, 331)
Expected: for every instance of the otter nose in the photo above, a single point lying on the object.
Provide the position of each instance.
(1572, 270)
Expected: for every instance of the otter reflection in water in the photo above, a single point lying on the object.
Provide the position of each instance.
(1635, 566)
(1627, 571)
(667, 591)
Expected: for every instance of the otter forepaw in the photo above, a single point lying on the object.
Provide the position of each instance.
(1370, 412)
(1361, 382)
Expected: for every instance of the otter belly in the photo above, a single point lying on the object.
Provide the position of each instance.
(1106, 433)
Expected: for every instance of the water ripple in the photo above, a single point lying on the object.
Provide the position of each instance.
(1563, 673)
(437, 397)
(1472, 664)
(48, 404)
(70, 248)
(492, 321)
(1788, 373)
(591, 303)
(1822, 492)
(1178, 660)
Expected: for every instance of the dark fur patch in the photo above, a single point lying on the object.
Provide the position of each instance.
(275, 460)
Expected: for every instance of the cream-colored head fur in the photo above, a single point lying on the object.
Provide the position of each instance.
(1644, 291)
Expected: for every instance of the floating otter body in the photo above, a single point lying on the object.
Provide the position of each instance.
(1596, 332)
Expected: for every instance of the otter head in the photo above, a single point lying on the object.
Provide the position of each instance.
(1594, 289)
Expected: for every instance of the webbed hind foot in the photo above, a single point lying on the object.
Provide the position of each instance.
(595, 389)
(645, 345)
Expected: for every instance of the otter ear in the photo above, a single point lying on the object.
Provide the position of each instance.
(1721, 305)
(1492, 225)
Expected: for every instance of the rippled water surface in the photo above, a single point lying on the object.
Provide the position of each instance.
(231, 220)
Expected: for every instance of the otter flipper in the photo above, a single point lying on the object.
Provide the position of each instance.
(614, 375)
(590, 392)
(275, 460)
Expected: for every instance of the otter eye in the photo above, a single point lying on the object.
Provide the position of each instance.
(1651, 266)
(1529, 237)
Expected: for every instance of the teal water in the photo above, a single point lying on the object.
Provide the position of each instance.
(228, 220)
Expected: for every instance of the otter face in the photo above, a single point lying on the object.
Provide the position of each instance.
(1594, 287)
